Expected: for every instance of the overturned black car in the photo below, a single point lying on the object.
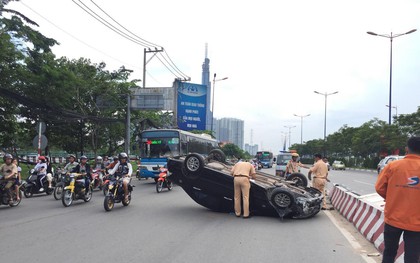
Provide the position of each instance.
(209, 183)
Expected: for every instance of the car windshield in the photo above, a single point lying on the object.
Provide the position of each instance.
(284, 159)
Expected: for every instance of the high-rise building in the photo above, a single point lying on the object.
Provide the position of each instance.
(251, 149)
(230, 130)
(205, 80)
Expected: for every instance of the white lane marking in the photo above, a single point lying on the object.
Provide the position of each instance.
(350, 238)
(363, 182)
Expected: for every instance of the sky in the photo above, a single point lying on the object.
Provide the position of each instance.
(275, 54)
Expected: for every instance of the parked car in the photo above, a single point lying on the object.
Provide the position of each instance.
(390, 158)
(338, 165)
(209, 183)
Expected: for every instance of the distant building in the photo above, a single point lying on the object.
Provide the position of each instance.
(230, 130)
(205, 80)
(251, 149)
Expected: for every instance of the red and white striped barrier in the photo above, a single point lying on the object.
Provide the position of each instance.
(366, 212)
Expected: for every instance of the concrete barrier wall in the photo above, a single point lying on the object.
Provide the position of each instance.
(366, 213)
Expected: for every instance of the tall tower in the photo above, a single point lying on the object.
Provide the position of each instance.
(205, 80)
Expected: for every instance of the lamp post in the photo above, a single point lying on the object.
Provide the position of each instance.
(212, 99)
(290, 134)
(391, 37)
(396, 109)
(325, 114)
(301, 125)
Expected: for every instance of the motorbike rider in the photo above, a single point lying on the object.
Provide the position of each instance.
(18, 177)
(106, 161)
(112, 165)
(99, 166)
(71, 164)
(49, 172)
(123, 169)
(293, 165)
(84, 168)
(41, 171)
(9, 172)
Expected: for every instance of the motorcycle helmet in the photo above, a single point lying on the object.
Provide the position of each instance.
(122, 156)
(7, 156)
(99, 159)
(71, 155)
(295, 155)
(115, 158)
(83, 157)
(42, 158)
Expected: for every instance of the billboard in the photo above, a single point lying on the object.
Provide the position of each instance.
(191, 106)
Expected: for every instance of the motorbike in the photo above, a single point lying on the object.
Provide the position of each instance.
(30, 185)
(8, 194)
(74, 189)
(96, 179)
(115, 193)
(105, 184)
(59, 186)
(163, 180)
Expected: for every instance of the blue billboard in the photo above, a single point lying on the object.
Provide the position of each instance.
(191, 106)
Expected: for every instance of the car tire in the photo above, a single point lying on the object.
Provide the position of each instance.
(217, 155)
(194, 163)
(281, 198)
(299, 179)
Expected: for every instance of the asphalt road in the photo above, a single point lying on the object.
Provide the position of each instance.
(167, 227)
(361, 182)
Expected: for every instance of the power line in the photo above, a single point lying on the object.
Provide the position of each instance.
(123, 26)
(140, 42)
(77, 39)
(108, 25)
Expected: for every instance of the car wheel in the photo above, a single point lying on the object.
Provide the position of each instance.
(282, 199)
(299, 179)
(194, 163)
(217, 155)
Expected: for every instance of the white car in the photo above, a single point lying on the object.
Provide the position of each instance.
(387, 160)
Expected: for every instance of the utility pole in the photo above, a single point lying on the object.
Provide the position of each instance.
(290, 133)
(145, 62)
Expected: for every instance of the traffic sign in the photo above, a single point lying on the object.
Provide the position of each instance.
(44, 142)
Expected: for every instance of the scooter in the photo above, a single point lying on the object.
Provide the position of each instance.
(96, 179)
(163, 180)
(30, 186)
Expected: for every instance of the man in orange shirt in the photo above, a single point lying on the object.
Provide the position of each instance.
(242, 172)
(399, 185)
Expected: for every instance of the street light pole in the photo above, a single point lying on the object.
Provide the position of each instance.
(290, 134)
(396, 109)
(325, 116)
(212, 99)
(301, 125)
(391, 37)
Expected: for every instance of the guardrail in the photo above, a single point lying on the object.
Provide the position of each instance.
(366, 213)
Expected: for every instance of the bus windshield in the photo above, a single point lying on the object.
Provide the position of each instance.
(264, 156)
(159, 144)
(162, 147)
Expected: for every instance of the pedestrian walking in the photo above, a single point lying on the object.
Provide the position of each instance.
(320, 171)
(242, 172)
(399, 185)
